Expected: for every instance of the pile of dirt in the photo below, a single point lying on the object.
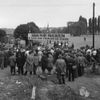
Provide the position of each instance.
(50, 91)
(20, 88)
(16, 88)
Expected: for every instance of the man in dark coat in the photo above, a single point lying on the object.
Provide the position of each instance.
(20, 60)
(44, 62)
(70, 63)
(60, 69)
(81, 64)
(36, 62)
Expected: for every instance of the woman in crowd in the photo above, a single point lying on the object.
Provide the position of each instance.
(50, 63)
(35, 61)
(29, 63)
(12, 64)
(44, 62)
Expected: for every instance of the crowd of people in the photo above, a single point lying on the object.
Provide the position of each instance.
(68, 62)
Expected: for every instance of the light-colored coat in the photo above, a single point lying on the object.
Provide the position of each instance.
(50, 61)
(60, 66)
(12, 60)
(29, 63)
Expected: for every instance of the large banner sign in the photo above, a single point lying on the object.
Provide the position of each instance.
(48, 36)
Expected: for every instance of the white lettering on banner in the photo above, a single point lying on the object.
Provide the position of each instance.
(48, 36)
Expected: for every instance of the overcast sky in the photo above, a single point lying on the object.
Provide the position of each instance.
(42, 12)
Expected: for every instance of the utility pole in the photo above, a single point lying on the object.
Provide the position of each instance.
(93, 25)
(93, 68)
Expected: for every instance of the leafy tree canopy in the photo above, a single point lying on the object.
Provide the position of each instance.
(22, 30)
(2, 35)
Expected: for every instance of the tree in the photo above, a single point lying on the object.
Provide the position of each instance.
(33, 27)
(2, 35)
(77, 28)
(95, 24)
(22, 30)
(90, 25)
(65, 30)
(98, 23)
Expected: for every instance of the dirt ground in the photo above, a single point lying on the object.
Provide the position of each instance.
(19, 87)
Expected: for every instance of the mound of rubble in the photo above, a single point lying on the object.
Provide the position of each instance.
(50, 91)
(15, 88)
